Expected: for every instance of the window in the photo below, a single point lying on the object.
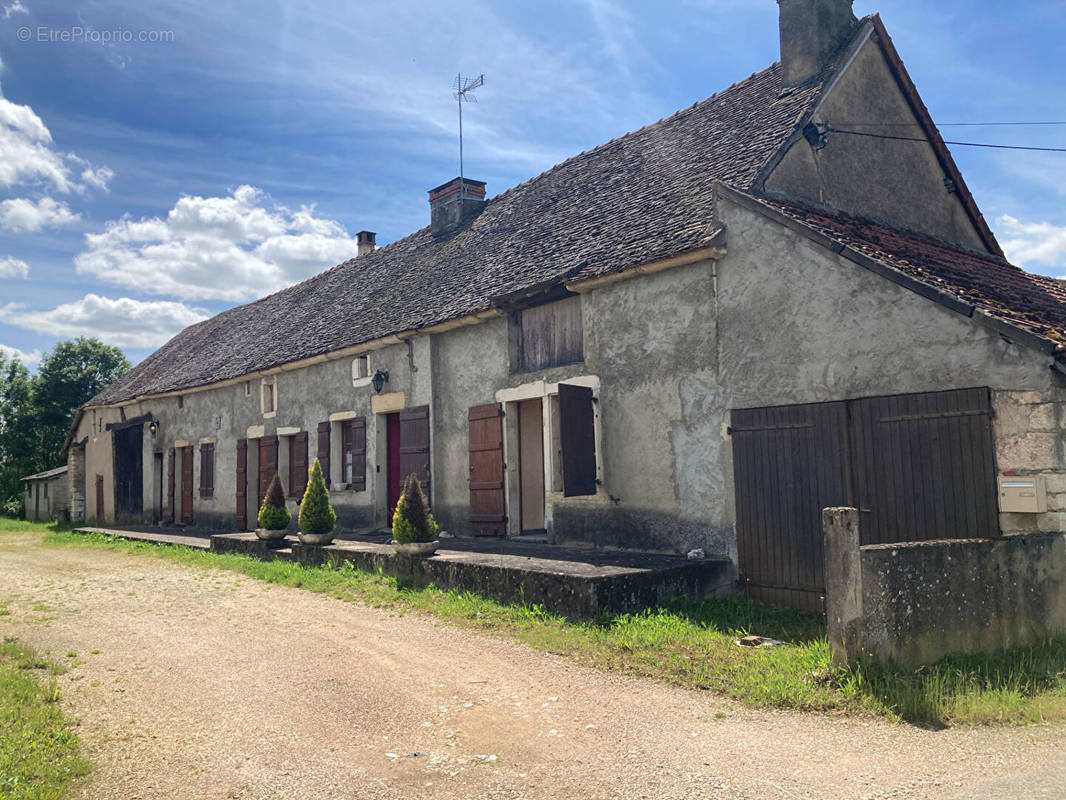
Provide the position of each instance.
(298, 464)
(247, 388)
(181, 401)
(353, 453)
(269, 401)
(207, 469)
(360, 370)
(551, 335)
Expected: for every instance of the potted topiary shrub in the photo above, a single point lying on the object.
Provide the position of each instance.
(317, 517)
(273, 517)
(413, 527)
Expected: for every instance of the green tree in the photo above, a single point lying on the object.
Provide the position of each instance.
(69, 376)
(18, 445)
(316, 514)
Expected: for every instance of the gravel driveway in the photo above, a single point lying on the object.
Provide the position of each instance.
(212, 685)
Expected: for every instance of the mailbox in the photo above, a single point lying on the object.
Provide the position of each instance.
(1022, 494)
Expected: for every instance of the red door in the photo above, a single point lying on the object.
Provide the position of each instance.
(392, 466)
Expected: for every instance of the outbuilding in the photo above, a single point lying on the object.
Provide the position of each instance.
(47, 495)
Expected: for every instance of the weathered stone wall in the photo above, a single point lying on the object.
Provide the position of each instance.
(1029, 433)
(914, 603)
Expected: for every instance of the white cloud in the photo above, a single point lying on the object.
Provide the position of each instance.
(14, 7)
(13, 353)
(118, 321)
(226, 248)
(11, 267)
(27, 155)
(1029, 243)
(20, 214)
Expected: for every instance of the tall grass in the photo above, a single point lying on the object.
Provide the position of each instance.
(693, 645)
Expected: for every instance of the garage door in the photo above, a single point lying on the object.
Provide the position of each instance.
(919, 466)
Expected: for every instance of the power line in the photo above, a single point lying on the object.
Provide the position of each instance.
(830, 129)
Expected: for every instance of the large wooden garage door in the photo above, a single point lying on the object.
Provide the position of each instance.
(918, 466)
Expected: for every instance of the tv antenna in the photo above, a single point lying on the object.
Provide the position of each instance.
(463, 90)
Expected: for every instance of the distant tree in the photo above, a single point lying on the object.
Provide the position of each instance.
(69, 376)
(18, 445)
(36, 411)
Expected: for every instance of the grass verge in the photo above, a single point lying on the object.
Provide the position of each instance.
(38, 746)
(693, 645)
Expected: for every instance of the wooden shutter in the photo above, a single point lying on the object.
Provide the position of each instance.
(186, 485)
(578, 438)
(170, 486)
(268, 464)
(298, 464)
(99, 499)
(358, 451)
(207, 470)
(414, 445)
(487, 503)
(242, 484)
(323, 449)
(551, 334)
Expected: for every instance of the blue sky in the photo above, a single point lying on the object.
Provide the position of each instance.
(162, 161)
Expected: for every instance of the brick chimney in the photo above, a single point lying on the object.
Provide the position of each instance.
(812, 31)
(454, 204)
(367, 241)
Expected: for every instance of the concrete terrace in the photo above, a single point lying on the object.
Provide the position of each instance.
(579, 583)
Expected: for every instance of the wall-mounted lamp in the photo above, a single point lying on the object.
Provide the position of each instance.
(381, 377)
(153, 426)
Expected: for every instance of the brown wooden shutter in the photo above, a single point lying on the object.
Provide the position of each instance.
(170, 485)
(577, 434)
(358, 445)
(323, 450)
(186, 485)
(268, 465)
(207, 470)
(298, 464)
(487, 503)
(242, 484)
(414, 445)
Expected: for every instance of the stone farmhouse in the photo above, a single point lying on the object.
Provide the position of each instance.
(696, 335)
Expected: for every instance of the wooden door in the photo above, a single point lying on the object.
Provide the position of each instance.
(393, 475)
(414, 446)
(242, 484)
(268, 465)
(186, 485)
(788, 464)
(487, 505)
(298, 465)
(531, 463)
(99, 499)
(171, 479)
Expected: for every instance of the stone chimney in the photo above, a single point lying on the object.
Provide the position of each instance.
(454, 204)
(812, 31)
(367, 241)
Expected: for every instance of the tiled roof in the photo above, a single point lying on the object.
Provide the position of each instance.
(51, 473)
(1034, 303)
(644, 196)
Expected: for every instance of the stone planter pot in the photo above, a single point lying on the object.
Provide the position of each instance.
(269, 535)
(417, 548)
(316, 538)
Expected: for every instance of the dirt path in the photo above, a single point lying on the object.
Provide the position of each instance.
(212, 685)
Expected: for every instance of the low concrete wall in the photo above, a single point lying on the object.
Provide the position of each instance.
(913, 603)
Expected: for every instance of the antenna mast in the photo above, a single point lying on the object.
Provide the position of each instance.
(463, 90)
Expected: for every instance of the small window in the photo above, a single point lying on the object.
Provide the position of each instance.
(247, 388)
(551, 335)
(270, 395)
(360, 367)
(181, 401)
